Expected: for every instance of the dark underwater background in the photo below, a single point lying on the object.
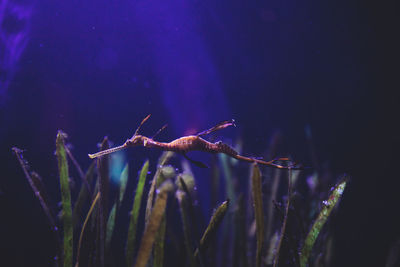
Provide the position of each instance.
(97, 68)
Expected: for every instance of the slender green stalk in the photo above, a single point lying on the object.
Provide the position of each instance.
(270, 204)
(112, 216)
(258, 211)
(78, 168)
(285, 219)
(83, 196)
(65, 199)
(183, 207)
(84, 227)
(130, 243)
(326, 210)
(38, 188)
(104, 180)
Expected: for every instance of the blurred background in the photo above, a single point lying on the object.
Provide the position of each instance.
(97, 68)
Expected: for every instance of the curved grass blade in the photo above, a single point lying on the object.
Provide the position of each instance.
(83, 196)
(328, 205)
(130, 243)
(273, 241)
(186, 183)
(184, 203)
(270, 206)
(84, 227)
(258, 211)
(165, 157)
(103, 182)
(110, 225)
(167, 172)
(78, 167)
(159, 244)
(212, 227)
(112, 216)
(65, 198)
(153, 225)
(123, 182)
(285, 219)
(38, 188)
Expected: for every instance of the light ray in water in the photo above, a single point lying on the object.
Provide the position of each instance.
(14, 31)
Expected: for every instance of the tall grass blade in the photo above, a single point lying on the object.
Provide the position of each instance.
(211, 230)
(83, 196)
(273, 241)
(155, 219)
(328, 205)
(285, 219)
(111, 224)
(186, 183)
(112, 216)
(38, 188)
(78, 167)
(258, 211)
(270, 204)
(84, 227)
(104, 179)
(167, 172)
(165, 157)
(65, 198)
(123, 182)
(130, 243)
(183, 201)
(159, 244)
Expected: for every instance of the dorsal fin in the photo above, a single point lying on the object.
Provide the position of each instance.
(219, 126)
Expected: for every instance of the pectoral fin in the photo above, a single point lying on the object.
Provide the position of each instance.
(195, 162)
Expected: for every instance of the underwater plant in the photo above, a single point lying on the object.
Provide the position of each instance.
(265, 226)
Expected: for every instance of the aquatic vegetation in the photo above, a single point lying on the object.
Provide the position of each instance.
(65, 199)
(328, 205)
(258, 211)
(130, 243)
(275, 222)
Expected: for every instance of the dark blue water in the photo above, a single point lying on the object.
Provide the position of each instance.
(96, 68)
